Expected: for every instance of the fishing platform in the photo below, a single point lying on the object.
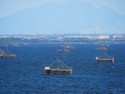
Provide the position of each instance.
(58, 67)
(104, 58)
(101, 48)
(4, 54)
(65, 49)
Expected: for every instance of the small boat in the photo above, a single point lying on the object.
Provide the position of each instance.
(104, 58)
(58, 67)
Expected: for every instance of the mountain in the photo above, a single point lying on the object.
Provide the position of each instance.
(63, 18)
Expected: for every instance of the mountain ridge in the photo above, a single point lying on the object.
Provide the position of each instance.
(66, 18)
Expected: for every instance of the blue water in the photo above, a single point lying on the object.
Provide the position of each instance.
(25, 75)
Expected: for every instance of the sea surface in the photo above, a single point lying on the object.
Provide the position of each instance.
(25, 74)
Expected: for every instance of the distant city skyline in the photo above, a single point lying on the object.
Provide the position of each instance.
(62, 17)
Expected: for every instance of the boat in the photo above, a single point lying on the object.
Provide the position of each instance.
(104, 58)
(58, 67)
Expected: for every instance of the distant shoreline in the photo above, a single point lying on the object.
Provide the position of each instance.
(16, 40)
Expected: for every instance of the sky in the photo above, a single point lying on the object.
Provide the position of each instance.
(62, 16)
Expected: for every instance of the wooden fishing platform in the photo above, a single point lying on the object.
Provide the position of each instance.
(5, 55)
(101, 49)
(58, 67)
(105, 58)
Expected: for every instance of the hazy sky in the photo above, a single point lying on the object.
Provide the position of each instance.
(8, 7)
(12, 13)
